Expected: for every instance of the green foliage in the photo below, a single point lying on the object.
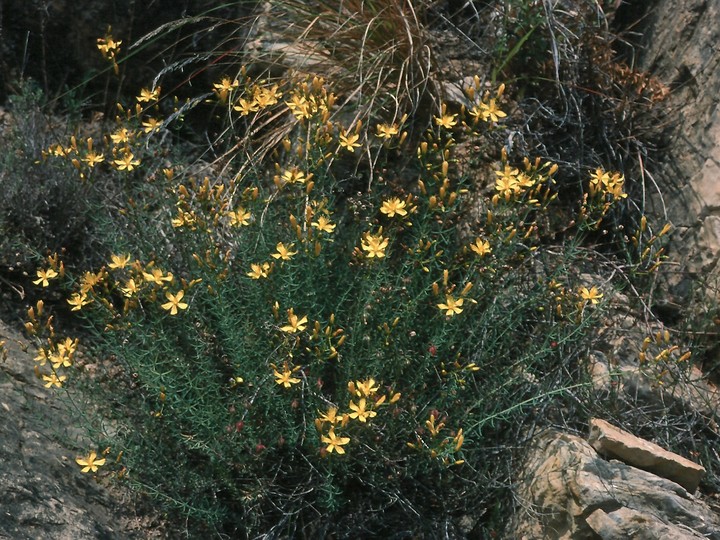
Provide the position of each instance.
(43, 208)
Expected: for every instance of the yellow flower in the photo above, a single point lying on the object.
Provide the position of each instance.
(245, 107)
(446, 121)
(44, 277)
(61, 358)
(366, 388)
(452, 306)
(360, 412)
(41, 357)
(53, 380)
(259, 270)
(90, 463)
(119, 261)
(590, 295)
(130, 288)
(285, 378)
(481, 247)
(335, 443)
(89, 280)
(157, 277)
(148, 95)
(300, 107)
(393, 206)
(490, 111)
(78, 300)
(387, 131)
(92, 158)
(323, 224)
(224, 87)
(507, 182)
(330, 416)
(349, 142)
(151, 124)
(174, 302)
(68, 346)
(122, 135)
(283, 252)
(239, 217)
(108, 46)
(127, 163)
(294, 176)
(264, 97)
(295, 323)
(374, 245)
(599, 177)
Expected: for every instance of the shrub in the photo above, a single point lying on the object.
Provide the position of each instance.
(344, 337)
(43, 208)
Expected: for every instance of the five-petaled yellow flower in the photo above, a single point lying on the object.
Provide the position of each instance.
(335, 443)
(283, 252)
(92, 158)
(119, 261)
(366, 388)
(156, 276)
(360, 412)
(285, 378)
(451, 306)
(295, 176)
(90, 280)
(393, 206)
(490, 111)
(127, 162)
(295, 323)
(481, 247)
(323, 224)
(239, 217)
(590, 295)
(350, 142)
(374, 245)
(387, 131)
(331, 416)
(224, 87)
(78, 300)
(90, 463)
(151, 124)
(147, 95)
(122, 135)
(53, 380)
(44, 277)
(174, 302)
(446, 121)
(130, 289)
(245, 107)
(259, 270)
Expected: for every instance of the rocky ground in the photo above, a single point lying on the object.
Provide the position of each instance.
(43, 494)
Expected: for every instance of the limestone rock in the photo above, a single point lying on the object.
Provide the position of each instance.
(569, 492)
(42, 492)
(613, 441)
(628, 523)
(678, 46)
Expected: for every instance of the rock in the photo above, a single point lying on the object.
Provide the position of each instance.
(612, 441)
(567, 491)
(679, 48)
(628, 523)
(42, 493)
